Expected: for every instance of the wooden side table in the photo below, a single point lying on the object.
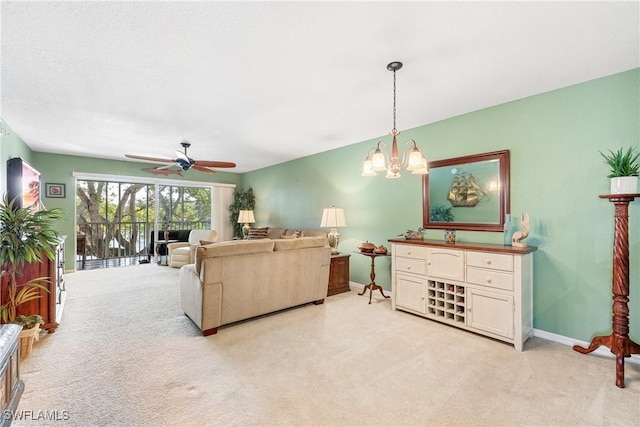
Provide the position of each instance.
(372, 286)
(338, 274)
(618, 342)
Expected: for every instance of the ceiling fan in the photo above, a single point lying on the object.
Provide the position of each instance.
(184, 162)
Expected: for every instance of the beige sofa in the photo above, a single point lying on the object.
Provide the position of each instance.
(241, 279)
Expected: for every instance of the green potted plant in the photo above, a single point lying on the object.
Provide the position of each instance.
(26, 235)
(624, 172)
(242, 200)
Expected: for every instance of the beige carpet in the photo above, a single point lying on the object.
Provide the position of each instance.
(126, 355)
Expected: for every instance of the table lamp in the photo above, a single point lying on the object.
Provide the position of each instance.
(246, 217)
(333, 217)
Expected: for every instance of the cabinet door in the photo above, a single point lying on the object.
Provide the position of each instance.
(490, 312)
(445, 263)
(410, 293)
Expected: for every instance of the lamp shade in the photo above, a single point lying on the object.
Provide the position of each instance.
(333, 217)
(246, 217)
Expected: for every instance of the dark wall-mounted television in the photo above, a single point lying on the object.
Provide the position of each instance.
(23, 184)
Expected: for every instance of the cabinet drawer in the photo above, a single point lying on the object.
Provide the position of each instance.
(410, 251)
(502, 262)
(409, 265)
(445, 263)
(490, 278)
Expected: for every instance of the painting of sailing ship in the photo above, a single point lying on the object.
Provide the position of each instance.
(465, 191)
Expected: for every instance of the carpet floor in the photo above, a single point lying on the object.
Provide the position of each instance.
(126, 355)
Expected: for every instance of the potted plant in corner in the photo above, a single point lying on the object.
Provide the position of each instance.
(624, 170)
(26, 235)
(242, 199)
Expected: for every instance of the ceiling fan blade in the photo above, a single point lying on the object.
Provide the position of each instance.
(151, 159)
(202, 169)
(214, 164)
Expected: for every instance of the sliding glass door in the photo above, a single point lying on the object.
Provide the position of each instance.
(117, 219)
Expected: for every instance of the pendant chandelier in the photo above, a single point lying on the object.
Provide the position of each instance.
(412, 157)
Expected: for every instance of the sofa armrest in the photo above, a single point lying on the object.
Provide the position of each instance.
(172, 246)
(201, 302)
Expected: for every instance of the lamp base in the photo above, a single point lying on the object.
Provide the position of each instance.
(334, 239)
(245, 230)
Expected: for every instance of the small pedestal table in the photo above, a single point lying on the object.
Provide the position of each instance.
(372, 286)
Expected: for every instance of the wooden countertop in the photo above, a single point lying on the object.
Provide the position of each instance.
(469, 245)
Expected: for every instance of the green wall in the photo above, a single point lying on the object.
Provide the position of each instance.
(556, 176)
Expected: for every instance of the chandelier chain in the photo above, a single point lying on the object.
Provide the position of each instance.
(394, 130)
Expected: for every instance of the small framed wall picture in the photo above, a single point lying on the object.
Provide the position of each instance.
(55, 191)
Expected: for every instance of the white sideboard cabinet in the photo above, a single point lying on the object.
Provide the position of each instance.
(484, 288)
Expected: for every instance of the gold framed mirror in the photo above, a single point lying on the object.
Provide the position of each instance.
(467, 193)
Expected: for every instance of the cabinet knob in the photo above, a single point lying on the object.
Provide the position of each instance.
(488, 279)
(488, 262)
(409, 268)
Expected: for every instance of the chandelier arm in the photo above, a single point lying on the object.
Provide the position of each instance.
(386, 155)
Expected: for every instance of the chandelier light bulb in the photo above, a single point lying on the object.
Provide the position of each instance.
(378, 160)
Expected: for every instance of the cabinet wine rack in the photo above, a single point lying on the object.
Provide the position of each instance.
(446, 301)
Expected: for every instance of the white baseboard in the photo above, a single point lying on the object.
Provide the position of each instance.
(550, 336)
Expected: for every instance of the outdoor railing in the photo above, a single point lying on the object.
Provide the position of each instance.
(125, 239)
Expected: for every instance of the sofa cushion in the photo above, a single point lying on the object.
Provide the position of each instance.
(231, 248)
(300, 243)
(276, 232)
(257, 233)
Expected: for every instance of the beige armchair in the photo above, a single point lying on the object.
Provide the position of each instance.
(182, 253)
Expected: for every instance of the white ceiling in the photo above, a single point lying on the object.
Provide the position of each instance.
(260, 83)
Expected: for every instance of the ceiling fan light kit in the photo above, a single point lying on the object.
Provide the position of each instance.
(183, 161)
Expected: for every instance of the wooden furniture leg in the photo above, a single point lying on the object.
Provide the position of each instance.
(372, 285)
(618, 342)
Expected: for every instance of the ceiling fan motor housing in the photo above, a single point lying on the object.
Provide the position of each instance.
(184, 164)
